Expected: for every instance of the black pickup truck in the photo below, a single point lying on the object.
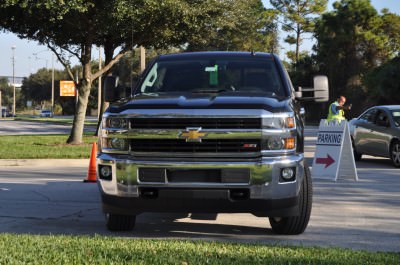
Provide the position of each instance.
(214, 132)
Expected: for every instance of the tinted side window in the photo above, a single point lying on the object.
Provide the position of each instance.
(369, 116)
(396, 117)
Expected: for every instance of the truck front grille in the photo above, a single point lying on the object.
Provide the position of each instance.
(206, 146)
(204, 123)
(169, 175)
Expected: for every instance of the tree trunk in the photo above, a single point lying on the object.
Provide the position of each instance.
(83, 98)
(80, 114)
(297, 43)
(84, 91)
(108, 51)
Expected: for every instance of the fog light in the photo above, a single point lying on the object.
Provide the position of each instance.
(288, 174)
(105, 172)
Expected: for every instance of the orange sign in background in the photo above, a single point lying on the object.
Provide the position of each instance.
(67, 89)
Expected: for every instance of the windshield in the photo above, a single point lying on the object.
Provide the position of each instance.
(214, 76)
(396, 117)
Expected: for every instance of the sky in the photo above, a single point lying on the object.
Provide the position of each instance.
(29, 56)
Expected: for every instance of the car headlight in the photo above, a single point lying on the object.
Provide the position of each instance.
(275, 143)
(279, 122)
(279, 143)
(115, 123)
(118, 144)
(115, 145)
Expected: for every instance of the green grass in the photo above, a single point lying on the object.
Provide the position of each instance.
(43, 146)
(67, 121)
(34, 249)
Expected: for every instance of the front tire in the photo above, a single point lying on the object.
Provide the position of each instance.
(116, 222)
(295, 225)
(395, 153)
(357, 156)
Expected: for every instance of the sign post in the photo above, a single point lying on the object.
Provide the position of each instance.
(333, 157)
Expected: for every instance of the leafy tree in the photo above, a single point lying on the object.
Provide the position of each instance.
(352, 40)
(128, 67)
(241, 25)
(383, 84)
(389, 31)
(37, 88)
(298, 18)
(296, 58)
(71, 28)
(348, 46)
(6, 93)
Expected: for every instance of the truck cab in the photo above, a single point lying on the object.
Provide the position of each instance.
(213, 132)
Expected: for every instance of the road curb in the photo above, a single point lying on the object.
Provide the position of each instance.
(43, 162)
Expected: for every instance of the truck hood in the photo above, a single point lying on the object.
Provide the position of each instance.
(204, 101)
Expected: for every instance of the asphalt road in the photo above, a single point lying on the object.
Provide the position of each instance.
(12, 127)
(49, 197)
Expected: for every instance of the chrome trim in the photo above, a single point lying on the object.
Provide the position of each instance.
(256, 133)
(198, 113)
(211, 133)
(114, 151)
(264, 175)
(190, 113)
(196, 155)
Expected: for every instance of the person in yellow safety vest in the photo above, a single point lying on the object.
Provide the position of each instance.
(336, 110)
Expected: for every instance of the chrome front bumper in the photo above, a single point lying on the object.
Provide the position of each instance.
(264, 181)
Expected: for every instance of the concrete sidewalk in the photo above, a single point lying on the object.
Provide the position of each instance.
(43, 162)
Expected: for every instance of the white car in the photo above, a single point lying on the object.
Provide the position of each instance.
(46, 114)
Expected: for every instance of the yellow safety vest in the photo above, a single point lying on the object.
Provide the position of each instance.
(331, 116)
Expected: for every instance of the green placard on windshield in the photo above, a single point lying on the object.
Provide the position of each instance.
(213, 70)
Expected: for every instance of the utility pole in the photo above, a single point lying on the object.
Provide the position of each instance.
(13, 84)
(52, 84)
(99, 89)
(142, 58)
(1, 107)
(76, 89)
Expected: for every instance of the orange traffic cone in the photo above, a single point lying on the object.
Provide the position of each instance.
(91, 176)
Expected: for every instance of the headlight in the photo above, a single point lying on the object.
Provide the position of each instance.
(275, 143)
(116, 123)
(118, 143)
(279, 122)
(272, 123)
(279, 143)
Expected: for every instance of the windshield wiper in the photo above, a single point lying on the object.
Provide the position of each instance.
(150, 94)
(209, 91)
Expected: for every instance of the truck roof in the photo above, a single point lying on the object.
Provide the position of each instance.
(216, 54)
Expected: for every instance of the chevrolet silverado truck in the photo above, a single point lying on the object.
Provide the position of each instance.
(212, 132)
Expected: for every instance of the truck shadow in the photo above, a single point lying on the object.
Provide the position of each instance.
(74, 208)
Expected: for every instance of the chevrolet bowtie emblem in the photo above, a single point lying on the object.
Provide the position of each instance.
(192, 134)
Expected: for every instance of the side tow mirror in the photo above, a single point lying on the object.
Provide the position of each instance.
(110, 88)
(318, 93)
(321, 88)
